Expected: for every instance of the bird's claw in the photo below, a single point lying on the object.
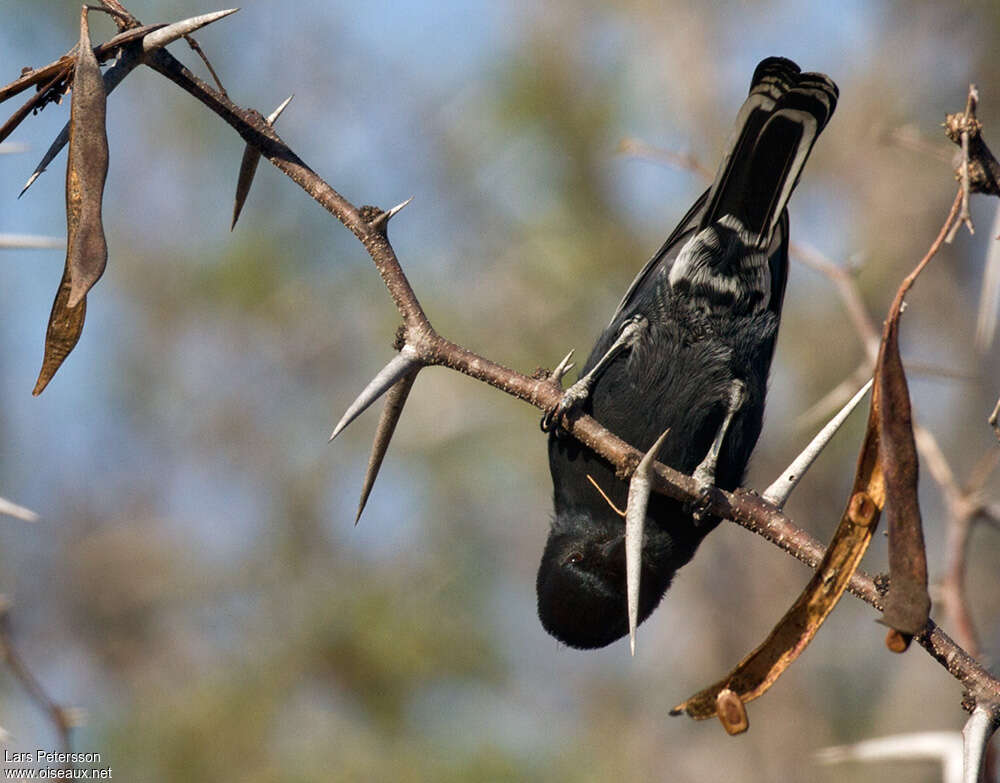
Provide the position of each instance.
(699, 506)
(548, 419)
(553, 417)
(571, 398)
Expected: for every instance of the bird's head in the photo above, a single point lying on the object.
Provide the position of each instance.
(581, 579)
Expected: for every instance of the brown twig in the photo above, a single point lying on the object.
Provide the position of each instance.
(204, 58)
(845, 281)
(60, 717)
(34, 76)
(64, 65)
(908, 137)
(961, 514)
(965, 125)
(121, 14)
(954, 218)
(49, 92)
(637, 148)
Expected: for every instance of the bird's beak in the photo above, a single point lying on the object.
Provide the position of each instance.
(613, 550)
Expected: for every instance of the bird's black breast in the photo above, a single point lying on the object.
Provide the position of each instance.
(677, 377)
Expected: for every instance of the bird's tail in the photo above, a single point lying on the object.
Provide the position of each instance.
(774, 133)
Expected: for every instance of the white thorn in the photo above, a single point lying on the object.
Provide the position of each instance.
(20, 512)
(170, 33)
(942, 746)
(31, 181)
(778, 492)
(394, 402)
(385, 217)
(273, 116)
(401, 364)
(30, 241)
(398, 207)
(989, 293)
(976, 735)
(635, 523)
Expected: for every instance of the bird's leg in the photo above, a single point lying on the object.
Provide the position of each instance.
(630, 333)
(704, 474)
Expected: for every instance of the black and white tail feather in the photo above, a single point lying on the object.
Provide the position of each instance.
(744, 209)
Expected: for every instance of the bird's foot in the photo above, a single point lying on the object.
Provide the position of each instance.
(572, 397)
(698, 508)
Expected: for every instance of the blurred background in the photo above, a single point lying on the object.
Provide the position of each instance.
(196, 583)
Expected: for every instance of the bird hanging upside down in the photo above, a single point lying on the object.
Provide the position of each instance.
(688, 350)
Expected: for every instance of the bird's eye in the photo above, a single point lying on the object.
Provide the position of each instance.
(573, 558)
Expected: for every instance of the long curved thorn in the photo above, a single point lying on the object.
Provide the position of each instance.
(394, 402)
(635, 524)
(405, 361)
(780, 490)
(248, 166)
(383, 219)
(172, 32)
(976, 734)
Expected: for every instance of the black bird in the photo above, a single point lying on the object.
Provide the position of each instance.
(688, 349)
